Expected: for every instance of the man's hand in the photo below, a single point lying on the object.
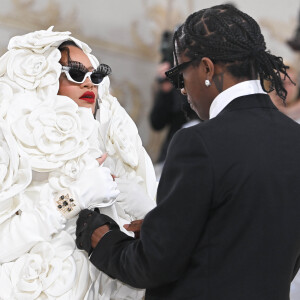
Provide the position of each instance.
(134, 226)
(98, 234)
(88, 221)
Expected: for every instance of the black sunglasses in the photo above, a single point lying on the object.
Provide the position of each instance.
(78, 74)
(175, 75)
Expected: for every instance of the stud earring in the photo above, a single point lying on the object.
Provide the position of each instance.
(207, 83)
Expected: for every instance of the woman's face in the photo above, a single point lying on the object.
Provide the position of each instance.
(84, 94)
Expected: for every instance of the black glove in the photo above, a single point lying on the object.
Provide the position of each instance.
(89, 220)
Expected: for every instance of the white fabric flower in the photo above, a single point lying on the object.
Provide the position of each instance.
(48, 270)
(32, 62)
(32, 70)
(40, 41)
(48, 132)
(61, 178)
(15, 174)
(16, 88)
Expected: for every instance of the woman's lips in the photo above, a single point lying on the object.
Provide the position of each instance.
(88, 97)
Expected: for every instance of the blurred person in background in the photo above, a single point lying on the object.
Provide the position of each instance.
(170, 108)
(291, 106)
(293, 111)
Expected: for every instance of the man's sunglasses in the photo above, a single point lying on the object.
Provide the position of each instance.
(77, 75)
(175, 75)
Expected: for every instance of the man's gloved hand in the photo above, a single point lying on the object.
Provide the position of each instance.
(95, 188)
(87, 222)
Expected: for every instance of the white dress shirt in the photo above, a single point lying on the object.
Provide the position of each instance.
(241, 89)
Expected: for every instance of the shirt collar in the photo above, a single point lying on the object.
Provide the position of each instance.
(241, 89)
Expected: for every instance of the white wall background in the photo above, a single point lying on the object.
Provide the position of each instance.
(126, 34)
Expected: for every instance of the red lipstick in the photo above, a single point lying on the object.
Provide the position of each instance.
(88, 97)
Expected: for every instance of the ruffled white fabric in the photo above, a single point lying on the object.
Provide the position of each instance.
(48, 271)
(31, 70)
(46, 142)
(15, 174)
(6, 95)
(48, 132)
(120, 139)
(42, 40)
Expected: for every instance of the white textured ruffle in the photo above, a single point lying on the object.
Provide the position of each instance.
(120, 139)
(48, 132)
(15, 174)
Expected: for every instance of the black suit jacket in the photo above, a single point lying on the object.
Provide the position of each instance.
(227, 221)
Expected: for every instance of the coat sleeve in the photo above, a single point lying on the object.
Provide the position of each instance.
(172, 230)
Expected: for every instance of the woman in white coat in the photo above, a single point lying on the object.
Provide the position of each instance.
(53, 165)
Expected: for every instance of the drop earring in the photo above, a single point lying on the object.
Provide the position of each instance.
(207, 83)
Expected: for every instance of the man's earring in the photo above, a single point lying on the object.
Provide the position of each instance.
(207, 83)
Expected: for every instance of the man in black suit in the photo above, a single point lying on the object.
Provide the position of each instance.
(227, 221)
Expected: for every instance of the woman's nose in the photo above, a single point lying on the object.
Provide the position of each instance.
(88, 83)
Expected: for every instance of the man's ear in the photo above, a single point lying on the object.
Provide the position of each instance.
(208, 67)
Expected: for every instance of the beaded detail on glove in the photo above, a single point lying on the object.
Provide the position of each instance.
(67, 204)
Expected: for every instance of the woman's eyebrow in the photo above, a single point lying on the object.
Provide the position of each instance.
(79, 65)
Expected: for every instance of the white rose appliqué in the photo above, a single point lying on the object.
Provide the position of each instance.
(47, 132)
(48, 270)
(31, 70)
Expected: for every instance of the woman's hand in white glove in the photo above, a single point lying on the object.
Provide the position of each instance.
(133, 197)
(95, 187)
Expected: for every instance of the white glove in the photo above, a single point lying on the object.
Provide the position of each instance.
(95, 188)
(133, 197)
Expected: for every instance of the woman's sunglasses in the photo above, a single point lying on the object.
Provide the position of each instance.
(175, 75)
(77, 75)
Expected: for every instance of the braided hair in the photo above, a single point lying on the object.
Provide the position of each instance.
(227, 35)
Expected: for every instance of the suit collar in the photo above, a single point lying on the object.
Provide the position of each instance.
(250, 101)
(248, 87)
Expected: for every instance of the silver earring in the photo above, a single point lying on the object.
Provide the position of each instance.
(207, 83)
